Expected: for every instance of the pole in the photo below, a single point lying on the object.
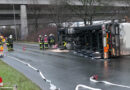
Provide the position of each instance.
(15, 22)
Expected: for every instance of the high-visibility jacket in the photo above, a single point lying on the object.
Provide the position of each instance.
(2, 40)
(40, 40)
(51, 40)
(64, 43)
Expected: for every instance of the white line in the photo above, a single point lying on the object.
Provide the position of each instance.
(86, 87)
(42, 75)
(52, 86)
(24, 63)
(32, 67)
(18, 60)
(108, 83)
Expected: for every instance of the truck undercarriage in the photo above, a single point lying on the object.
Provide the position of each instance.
(98, 41)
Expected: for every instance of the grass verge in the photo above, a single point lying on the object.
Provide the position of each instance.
(12, 77)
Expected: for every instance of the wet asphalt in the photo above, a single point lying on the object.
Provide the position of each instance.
(66, 70)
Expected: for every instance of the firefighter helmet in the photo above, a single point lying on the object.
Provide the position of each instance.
(1, 37)
(45, 35)
(40, 35)
(10, 36)
(51, 34)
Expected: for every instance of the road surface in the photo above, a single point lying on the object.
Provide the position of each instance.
(66, 71)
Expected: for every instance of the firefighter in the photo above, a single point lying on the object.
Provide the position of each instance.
(64, 44)
(51, 40)
(2, 41)
(10, 43)
(45, 42)
(41, 42)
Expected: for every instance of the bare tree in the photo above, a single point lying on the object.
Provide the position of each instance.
(85, 9)
(117, 11)
(127, 10)
(58, 12)
(35, 12)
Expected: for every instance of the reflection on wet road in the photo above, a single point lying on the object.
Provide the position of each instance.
(67, 71)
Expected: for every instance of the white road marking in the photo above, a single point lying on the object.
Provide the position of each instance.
(86, 87)
(108, 83)
(17, 60)
(42, 76)
(32, 67)
(52, 86)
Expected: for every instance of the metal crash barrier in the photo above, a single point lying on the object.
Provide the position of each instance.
(97, 41)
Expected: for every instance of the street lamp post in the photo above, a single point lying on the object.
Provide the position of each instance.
(15, 22)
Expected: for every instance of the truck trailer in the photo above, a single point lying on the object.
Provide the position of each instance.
(125, 38)
(98, 41)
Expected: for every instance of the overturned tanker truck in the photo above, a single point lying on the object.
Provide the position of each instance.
(98, 41)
